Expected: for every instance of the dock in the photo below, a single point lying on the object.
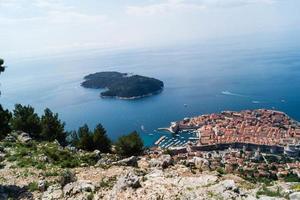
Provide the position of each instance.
(160, 140)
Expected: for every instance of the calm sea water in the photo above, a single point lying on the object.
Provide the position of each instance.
(231, 74)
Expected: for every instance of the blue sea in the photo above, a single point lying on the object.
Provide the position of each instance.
(254, 71)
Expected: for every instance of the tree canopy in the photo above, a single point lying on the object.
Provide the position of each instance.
(129, 145)
(52, 127)
(5, 117)
(25, 119)
(91, 140)
(1, 65)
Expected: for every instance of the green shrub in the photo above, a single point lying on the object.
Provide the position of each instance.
(5, 117)
(91, 140)
(52, 127)
(267, 192)
(25, 119)
(33, 186)
(291, 178)
(129, 145)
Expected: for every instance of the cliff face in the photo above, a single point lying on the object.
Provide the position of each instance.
(152, 176)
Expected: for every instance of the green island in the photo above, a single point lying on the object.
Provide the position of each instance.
(123, 85)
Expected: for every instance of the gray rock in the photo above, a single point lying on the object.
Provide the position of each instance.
(10, 138)
(295, 196)
(131, 161)
(42, 185)
(67, 177)
(129, 180)
(2, 157)
(229, 185)
(163, 161)
(24, 137)
(74, 188)
(200, 163)
(97, 153)
(54, 192)
(43, 158)
(104, 162)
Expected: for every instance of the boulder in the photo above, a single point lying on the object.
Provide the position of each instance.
(24, 137)
(163, 161)
(200, 163)
(67, 177)
(2, 157)
(42, 185)
(74, 188)
(229, 185)
(128, 180)
(131, 161)
(10, 138)
(43, 158)
(97, 153)
(54, 192)
(295, 196)
(104, 162)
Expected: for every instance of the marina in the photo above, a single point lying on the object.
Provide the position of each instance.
(170, 140)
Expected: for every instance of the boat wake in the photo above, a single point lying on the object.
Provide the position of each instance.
(228, 93)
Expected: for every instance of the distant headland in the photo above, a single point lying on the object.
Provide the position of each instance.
(123, 85)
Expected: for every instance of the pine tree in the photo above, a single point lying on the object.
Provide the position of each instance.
(5, 117)
(85, 138)
(101, 140)
(129, 145)
(25, 119)
(52, 127)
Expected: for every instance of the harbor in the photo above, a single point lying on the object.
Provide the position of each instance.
(171, 140)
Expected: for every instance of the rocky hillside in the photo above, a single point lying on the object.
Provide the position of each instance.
(47, 171)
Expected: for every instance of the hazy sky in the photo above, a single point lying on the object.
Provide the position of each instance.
(45, 27)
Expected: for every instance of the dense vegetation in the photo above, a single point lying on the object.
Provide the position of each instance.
(129, 145)
(91, 140)
(1, 65)
(122, 85)
(49, 128)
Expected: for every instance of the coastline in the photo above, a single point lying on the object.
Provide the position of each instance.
(134, 97)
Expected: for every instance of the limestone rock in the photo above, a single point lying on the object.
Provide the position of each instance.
(54, 192)
(295, 196)
(10, 138)
(42, 185)
(67, 177)
(131, 161)
(163, 161)
(129, 180)
(74, 188)
(24, 137)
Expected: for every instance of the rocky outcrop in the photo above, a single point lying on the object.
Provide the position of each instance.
(54, 192)
(164, 161)
(84, 188)
(128, 180)
(131, 161)
(24, 137)
(295, 196)
(67, 177)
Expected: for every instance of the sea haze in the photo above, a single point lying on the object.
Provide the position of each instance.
(233, 74)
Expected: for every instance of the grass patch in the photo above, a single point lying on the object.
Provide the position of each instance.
(267, 192)
(33, 186)
(108, 182)
(33, 155)
(291, 178)
(296, 187)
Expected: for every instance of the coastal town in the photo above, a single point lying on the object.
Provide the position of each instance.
(259, 145)
(266, 130)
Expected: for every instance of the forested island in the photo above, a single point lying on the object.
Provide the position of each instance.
(123, 85)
